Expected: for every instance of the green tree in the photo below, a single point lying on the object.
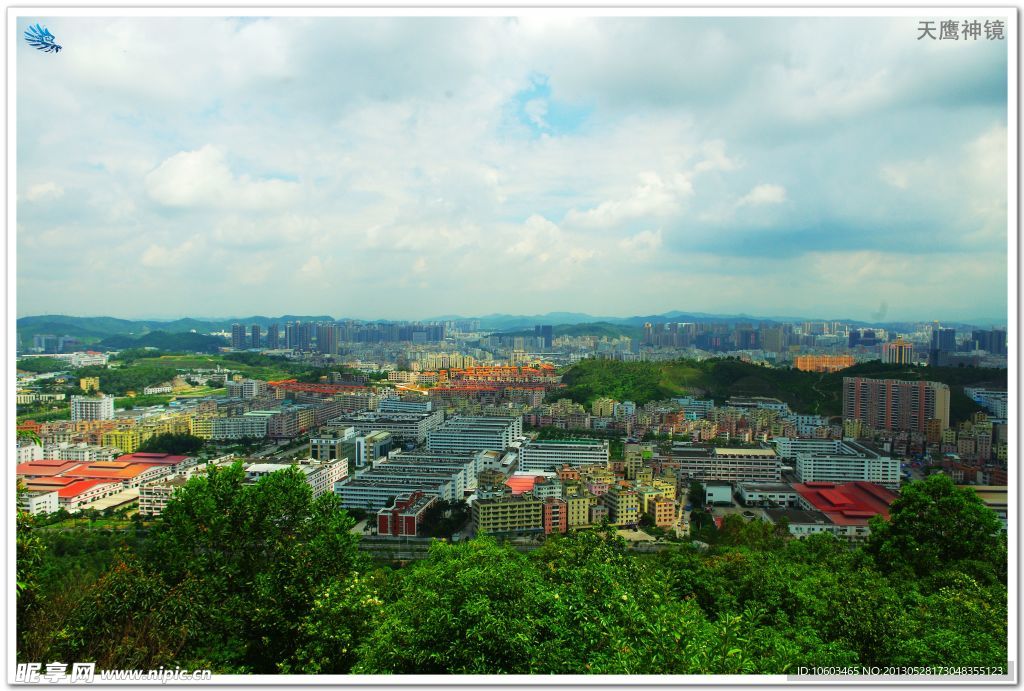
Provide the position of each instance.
(934, 525)
(258, 553)
(173, 444)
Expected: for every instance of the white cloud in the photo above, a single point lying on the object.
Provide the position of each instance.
(44, 191)
(201, 178)
(416, 151)
(642, 243)
(654, 196)
(313, 269)
(764, 194)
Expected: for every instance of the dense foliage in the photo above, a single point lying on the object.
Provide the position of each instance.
(722, 378)
(192, 342)
(184, 444)
(261, 578)
(41, 364)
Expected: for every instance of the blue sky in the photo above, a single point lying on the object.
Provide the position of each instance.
(404, 167)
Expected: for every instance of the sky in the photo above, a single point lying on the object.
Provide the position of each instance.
(399, 168)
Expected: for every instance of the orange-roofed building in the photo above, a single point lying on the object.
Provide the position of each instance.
(128, 474)
(521, 483)
(34, 469)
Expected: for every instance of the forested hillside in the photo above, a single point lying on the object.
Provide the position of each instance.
(261, 578)
(722, 378)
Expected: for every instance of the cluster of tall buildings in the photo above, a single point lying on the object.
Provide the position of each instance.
(326, 337)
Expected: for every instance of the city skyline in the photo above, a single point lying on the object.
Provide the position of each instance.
(418, 166)
(551, 318)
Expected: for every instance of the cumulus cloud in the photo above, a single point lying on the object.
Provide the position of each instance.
(631, 173)
(653, 196)
(642, 243)
(764, 194)
(202, 178)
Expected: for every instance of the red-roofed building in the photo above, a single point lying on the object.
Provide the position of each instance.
(521, 483)
(848, 506)
(44, 468)
(74, 494)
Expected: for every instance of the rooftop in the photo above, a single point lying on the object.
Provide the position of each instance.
(567, 442)
(722, 451)
(45, 468)
(796, 516)
(112, 470)
(852, 503)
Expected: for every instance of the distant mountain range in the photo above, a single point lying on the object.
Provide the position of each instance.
(507, 322)
(96, 329)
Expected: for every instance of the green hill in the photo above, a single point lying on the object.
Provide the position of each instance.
(598, 329)
(806, 392)
(187, 342)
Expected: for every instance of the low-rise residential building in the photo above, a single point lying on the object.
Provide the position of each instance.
(578, 509)
(509, 514)
(128, 440)
(28, 451)
(555, 515)
(623, 504)
(662, 511)
(405, 516)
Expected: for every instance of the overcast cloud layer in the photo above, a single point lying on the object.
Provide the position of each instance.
(403, 168)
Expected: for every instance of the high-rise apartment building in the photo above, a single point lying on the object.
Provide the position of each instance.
(898, 352)
(92, 408)
(327, 338)
(255, 337)
(545, 332)
(893, 404)
(273, 339)
(237, 336)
